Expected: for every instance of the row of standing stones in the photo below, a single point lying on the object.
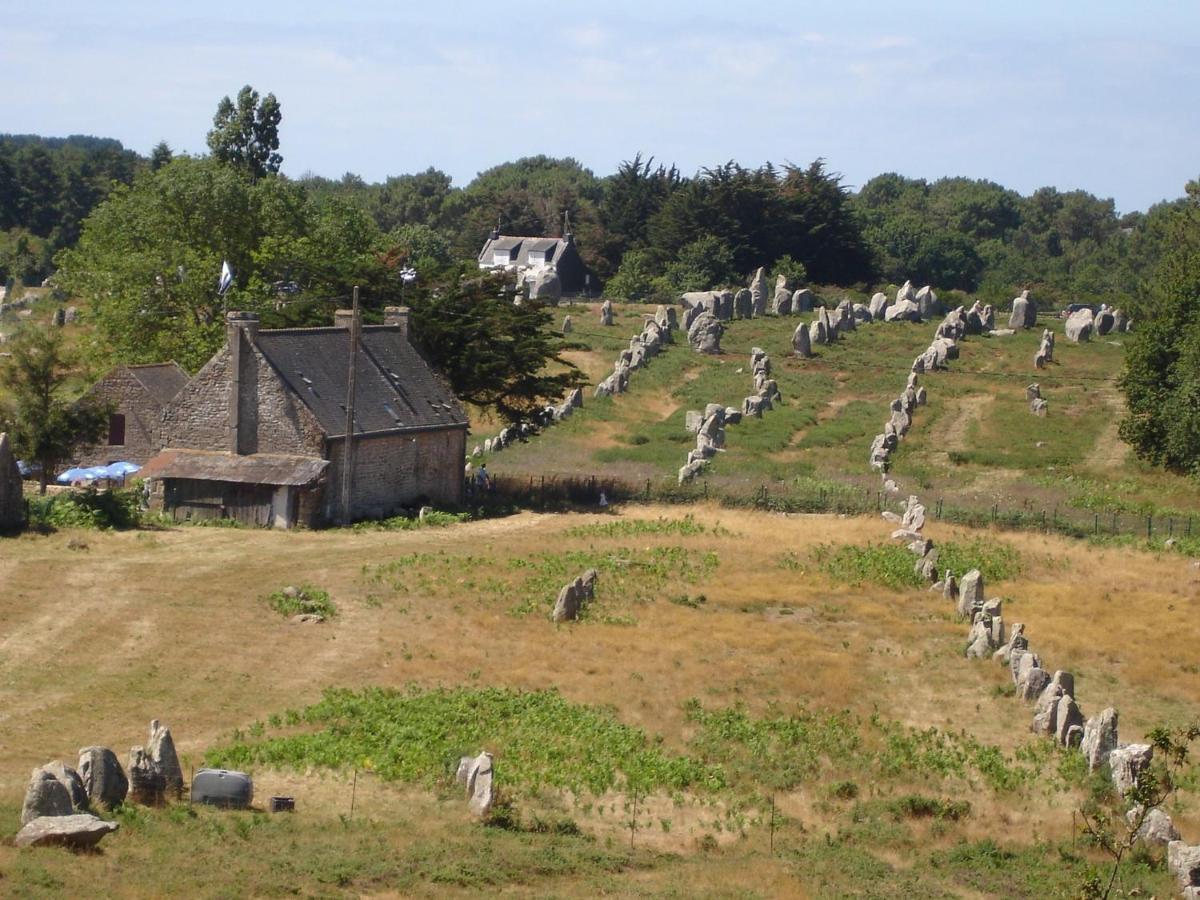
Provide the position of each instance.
(59, 799)
(709, 425)
(1056, 712)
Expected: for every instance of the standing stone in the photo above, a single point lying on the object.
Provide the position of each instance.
(1079, 326)
(970, 593)
(1127, 763)
(1045, 716)
(45, 796)
(1183, 861)
(802, 341)
(1156, 830)
(146, 784)
(1104, 321)
(567, 326)
(906, 294)
(1100, 738)
(781, 303)
(1034, 680)
(69, 778)
(1024, 312)
(743, 305)
(878, 305)
(104, 780)
(162, 753)
(480, 786)
(566, 607)
(606, 313)
(1068, 721)
(758, 293)
(802, 301)
(546, 286)
(705, 333)
(928, 302)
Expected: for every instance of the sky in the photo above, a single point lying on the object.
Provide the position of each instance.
(1094, 95)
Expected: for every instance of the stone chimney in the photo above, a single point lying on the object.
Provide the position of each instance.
(343, 318)
(397, 315)
(240, 330)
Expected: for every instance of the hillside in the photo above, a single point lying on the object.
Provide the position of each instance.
(975, 446)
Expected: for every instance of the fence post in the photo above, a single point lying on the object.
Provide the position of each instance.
(1171, 527)
(1096, 526)
(1189, 530)
(647, 488)
(1149, 527)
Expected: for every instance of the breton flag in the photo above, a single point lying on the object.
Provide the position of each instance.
(408, 275)
(226, 281)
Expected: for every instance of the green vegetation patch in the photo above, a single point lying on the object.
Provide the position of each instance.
(87, 508)
(539, 738)
(627, 576)
(891, 565)
(302, 600)
(624, 528)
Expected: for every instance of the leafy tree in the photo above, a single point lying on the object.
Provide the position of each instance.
(703, 264)
(42, 424)
(631, 198)
(635, 279)
(246, 134)
(418, 199)
(149, 256)
(1161, 380)
(496, 354)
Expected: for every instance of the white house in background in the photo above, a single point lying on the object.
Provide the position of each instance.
(529, 254)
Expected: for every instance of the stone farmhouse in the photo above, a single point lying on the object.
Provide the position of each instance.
(529, 255)
(260, 433)
(137, 397)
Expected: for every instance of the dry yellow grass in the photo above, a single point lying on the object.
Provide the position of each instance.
(94, 643)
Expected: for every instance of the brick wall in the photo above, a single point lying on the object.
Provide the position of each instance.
(392, 472)
(143, 421)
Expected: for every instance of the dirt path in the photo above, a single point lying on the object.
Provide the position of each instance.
(960, 416)
(1109, 451)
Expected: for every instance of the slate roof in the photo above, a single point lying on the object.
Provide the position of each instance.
(254, 468)
(520, 247)
(161, 380)
(395, 389)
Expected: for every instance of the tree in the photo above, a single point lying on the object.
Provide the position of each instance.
(246, 135)
(42, 424)
(1116, 827)
(496, 354)
(1161, 380)
(160, 155)
(148, 259)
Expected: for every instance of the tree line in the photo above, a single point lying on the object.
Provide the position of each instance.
(154, 234)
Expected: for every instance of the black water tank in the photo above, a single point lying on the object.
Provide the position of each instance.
(221, 787)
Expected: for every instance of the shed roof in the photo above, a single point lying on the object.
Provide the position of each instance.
(395, 389)
(255, 468)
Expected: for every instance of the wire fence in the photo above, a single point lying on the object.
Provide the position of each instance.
(558, 492)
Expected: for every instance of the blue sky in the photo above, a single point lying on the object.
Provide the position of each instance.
(1095, 95)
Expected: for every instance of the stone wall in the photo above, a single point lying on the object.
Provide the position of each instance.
(271, 418)
(143, 421)
(398, 471)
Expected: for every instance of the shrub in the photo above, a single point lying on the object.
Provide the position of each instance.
(87, 508)
(303, 600)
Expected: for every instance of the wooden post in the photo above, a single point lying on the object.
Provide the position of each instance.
(348, 453)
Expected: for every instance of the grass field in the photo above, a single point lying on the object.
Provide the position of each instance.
(975, 444)
(725, 662)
